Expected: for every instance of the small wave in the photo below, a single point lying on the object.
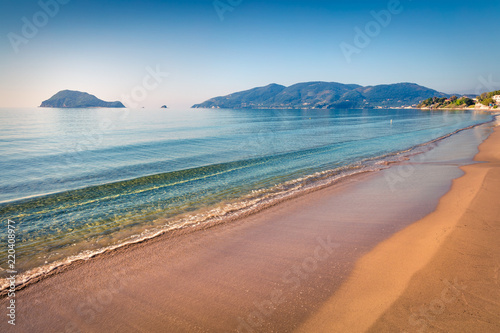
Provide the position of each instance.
(251, 203)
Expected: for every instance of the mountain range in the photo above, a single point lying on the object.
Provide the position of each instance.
(324, 95)
(77, 99)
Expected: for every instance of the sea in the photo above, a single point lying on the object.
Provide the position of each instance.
(78, 182)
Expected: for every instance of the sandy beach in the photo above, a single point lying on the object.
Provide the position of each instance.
(366, 254)
(439, 274)
(249, 167)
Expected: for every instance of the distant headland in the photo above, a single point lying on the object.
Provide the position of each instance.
(77, 99)
(325, 95)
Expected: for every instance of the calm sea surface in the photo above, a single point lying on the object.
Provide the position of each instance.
(76, 181)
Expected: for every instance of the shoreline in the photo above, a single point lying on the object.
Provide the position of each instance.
(335, 177)
(222, 278)
(430, 289)
(484, 108)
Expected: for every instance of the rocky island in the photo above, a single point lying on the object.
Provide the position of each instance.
(77, 99)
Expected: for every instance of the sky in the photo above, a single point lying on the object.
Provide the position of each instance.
(179, 53)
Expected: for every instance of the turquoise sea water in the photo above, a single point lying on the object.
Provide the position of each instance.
(76, 181)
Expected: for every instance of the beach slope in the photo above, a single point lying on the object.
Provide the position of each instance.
(338, 259)
(437, 275)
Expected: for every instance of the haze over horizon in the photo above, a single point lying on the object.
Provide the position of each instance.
(117, 50)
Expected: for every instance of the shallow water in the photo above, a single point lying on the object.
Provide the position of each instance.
(79, 180)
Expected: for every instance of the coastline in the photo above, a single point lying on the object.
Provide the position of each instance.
(246, 206)
(447, 276)
(476, 108)
(224, 256)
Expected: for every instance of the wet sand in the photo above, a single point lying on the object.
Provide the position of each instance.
(274, 271)
(440, 274)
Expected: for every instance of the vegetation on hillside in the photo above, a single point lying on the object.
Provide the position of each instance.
(442, 102)
(456, 102)
(486, 98)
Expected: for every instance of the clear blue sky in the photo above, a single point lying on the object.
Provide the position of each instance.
(105, 47)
